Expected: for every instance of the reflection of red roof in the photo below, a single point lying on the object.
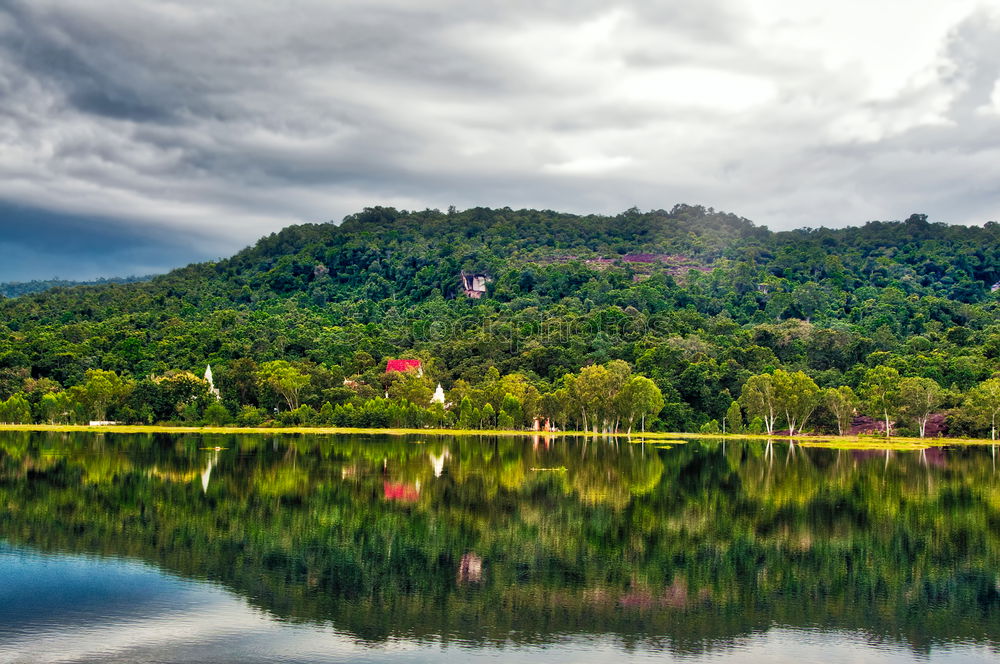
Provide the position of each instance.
(402, 492)
(401, 365)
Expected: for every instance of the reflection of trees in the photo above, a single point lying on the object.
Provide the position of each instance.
(587, 536)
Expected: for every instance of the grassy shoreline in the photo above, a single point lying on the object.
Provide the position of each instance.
(806, 440)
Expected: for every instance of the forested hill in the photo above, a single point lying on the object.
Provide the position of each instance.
(697, 300)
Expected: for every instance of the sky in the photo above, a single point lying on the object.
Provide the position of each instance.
(140, 136)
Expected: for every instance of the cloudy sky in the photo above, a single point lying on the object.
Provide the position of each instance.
(137, 136)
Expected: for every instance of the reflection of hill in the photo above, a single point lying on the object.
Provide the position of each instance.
(694, 545)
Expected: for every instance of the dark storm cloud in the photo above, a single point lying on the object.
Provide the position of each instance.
(39, 244)
(200, 126)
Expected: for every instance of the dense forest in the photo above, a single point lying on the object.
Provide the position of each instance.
(688, 319)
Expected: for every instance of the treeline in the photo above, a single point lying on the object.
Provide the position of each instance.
(607, 398)
(19, 288)
(789, 399)
(604, 398)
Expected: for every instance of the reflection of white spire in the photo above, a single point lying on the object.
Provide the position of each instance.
(207, 474)
(438, 461)
(438, 395)
(211, 383)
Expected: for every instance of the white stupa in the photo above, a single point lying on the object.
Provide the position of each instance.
(438, 395)
(437, 462)
(211, 383)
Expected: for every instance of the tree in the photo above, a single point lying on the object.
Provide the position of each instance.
(639, 398)
(408, 386)
(55, 407)
(983, 403)
(590, 392)
(758, 400)
(734, 419)
(796, 395)
(712, 426)
(239, 381)
(285, 379)
(15, 410)
(528, 397)
(595, 390)
(556, 407)
(101, 391)
(488, 416)
(175, 393)
(326, 413)
(216, 414)
(842, 402)
(511, 407)
(918, 399)
(466, 416)
(880, 394)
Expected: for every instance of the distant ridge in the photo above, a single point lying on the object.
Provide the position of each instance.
(18, 288)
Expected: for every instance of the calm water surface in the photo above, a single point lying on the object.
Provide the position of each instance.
(369, 549)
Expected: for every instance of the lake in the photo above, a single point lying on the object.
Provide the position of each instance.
(258, 548)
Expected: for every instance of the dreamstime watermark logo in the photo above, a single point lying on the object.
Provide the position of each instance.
(512, 332)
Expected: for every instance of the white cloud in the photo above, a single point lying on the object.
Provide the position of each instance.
(588, 166)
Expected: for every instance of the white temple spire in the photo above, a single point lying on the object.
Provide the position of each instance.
(211, 383)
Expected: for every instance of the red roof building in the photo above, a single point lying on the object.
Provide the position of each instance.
(403, 366)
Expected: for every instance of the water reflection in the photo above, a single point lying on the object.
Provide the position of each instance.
(514, 543)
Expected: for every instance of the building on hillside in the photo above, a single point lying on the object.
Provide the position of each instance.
(402, 366)
(474, 284)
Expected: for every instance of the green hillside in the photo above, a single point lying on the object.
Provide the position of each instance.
(694, 299)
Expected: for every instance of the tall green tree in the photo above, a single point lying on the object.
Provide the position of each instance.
(758, 399)
(734, 418)
(285, 379)
(842, 403)
(918, 399)
(639, 398)
(101, 391)
(880, 394)
(796, 396)
(983, 403)
(409, 386)
(55, 407)
(15, 410)
(466, 417)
